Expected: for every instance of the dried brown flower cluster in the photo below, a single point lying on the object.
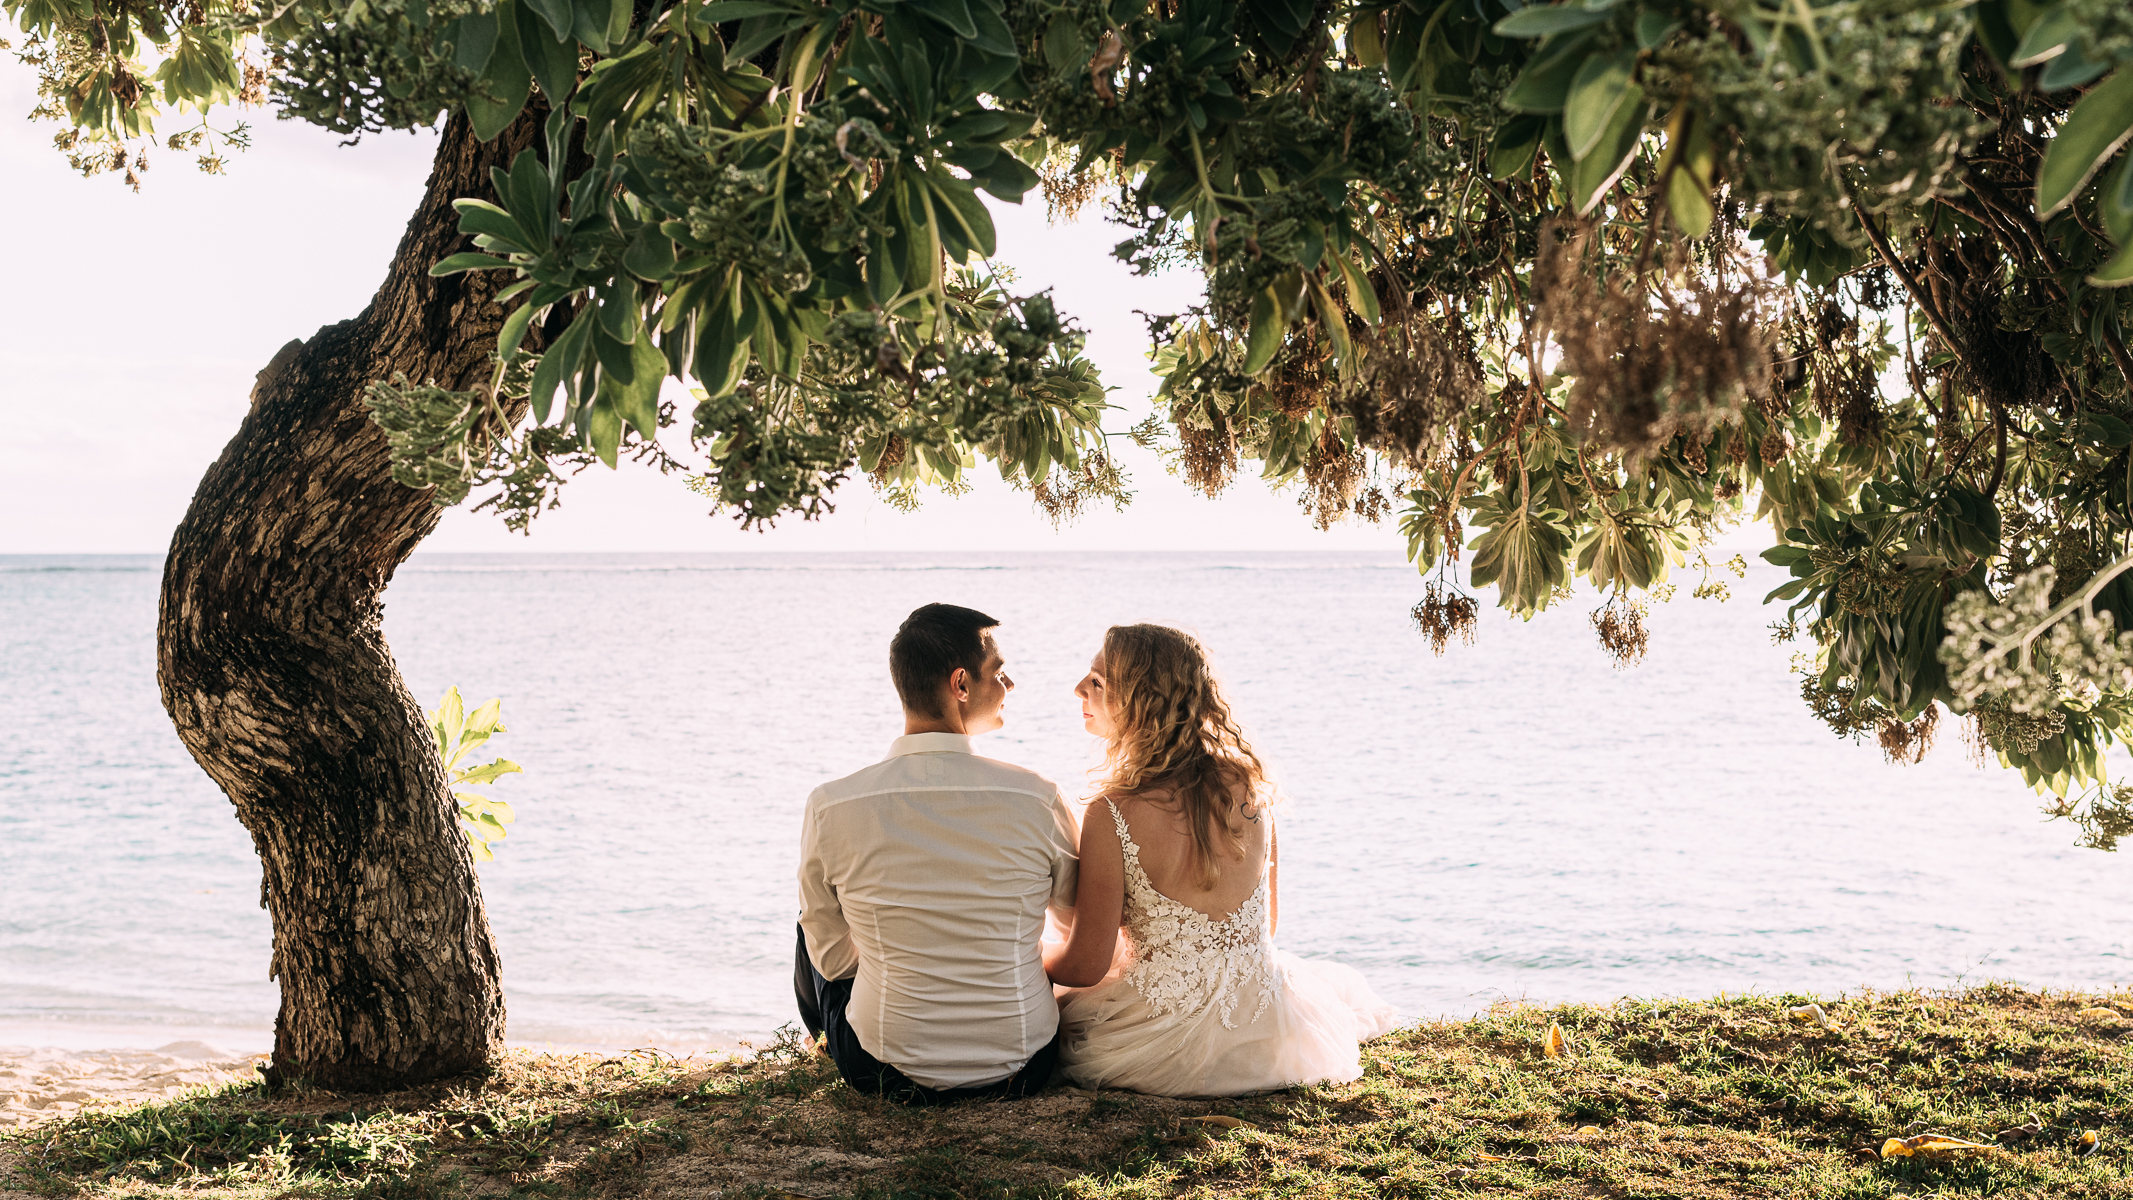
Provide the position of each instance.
(1207, 458)
(1444, 614)
(1419, 381)
(1995, 726)
(1066, 494)
(1332, 478)
(1847, 390)
(1907, 742)
(1842, 709)
(1620, 624)
(1654, 353)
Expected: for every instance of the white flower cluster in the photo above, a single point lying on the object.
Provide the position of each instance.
(2081, 652)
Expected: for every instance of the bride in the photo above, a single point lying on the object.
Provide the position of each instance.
(1179, 848)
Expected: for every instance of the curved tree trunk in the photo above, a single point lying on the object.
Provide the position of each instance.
(275, 671)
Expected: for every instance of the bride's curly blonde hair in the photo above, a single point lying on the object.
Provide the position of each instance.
(1173, 730)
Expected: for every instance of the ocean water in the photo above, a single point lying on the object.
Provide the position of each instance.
(1514, 819)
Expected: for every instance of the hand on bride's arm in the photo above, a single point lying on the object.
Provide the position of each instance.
(1099, 907)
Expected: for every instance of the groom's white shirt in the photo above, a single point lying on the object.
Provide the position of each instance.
(927, 876)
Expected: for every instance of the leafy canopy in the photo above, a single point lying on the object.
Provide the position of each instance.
(1561, 288)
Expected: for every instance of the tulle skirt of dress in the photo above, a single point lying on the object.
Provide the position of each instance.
(1317, 1015)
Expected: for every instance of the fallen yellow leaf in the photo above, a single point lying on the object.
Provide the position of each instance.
(1585, 1129)
(1929, 1145)
(2101, 1016)
(1809, 1012)
(1555, 1045)
(2088, 1142)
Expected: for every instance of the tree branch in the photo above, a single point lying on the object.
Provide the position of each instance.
(1903, 273)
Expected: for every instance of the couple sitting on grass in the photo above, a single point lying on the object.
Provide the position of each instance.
(925, 880)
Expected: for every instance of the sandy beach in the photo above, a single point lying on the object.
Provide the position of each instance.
(39, 1083)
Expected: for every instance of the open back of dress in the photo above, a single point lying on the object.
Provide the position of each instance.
(1206, 1007)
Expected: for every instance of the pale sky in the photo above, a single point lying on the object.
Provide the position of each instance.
(135, 325)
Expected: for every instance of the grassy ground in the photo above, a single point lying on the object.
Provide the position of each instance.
(1732, 1097)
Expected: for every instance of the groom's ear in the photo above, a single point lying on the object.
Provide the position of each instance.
(958, 683)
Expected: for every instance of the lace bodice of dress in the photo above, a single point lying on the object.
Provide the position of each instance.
(1184, 960)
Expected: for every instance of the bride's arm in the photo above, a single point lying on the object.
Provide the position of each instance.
(1099, 907)
(1273, 880)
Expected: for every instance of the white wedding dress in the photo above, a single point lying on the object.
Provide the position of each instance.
(1199, 1007)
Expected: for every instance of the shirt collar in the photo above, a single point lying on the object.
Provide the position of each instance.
(930, 743)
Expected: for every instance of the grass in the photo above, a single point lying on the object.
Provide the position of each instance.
(1719, 1098)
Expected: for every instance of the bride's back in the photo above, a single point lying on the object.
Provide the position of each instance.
(1160, 829)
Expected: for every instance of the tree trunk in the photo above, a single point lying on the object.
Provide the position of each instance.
(274, 668)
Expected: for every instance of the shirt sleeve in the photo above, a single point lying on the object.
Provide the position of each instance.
(829, 939)
(1066, 864)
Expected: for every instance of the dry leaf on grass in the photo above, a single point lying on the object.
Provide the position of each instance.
(1555, 1045)
(1929, 1145)
(1809, 1012)
(1220, 1122)
(2100, 1016)
(2030, 1128)
(2088, 1142)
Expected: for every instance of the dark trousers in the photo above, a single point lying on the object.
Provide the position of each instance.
(822, 1004)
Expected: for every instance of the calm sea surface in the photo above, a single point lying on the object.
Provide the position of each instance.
(1516, 818)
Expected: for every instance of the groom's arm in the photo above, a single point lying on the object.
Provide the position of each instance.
(1065, 837)
(829, 938)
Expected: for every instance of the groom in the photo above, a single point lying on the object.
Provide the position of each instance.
(924, 881)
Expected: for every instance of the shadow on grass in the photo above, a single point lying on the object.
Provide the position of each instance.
(1730, 1097)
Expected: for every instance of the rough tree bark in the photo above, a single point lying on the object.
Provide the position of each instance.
(275, 671)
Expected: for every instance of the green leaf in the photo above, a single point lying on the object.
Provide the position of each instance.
(1545, 83)
(741, 10)
(2114, 202)
(1515, 145)
(473, 40)
(1654, 28)
(513, 333)
(603, 427)
(1597, 171)
(481, 217)
(650, 256)
(468, 262)
(502, 89)
(1690, 205)
(2098, 126)
(558, 364)
(1064, 49)
(1994, 30)
(557, 15)
(1599, 91)
(2051, 36)
(638, 402)
(1540, 21)
(1362, 297)
(614, 356)
(1264, 336)
(486, 720)
(588, 23)
(968, 213)
(2118, 272)
(554, 64)
(450, 719)
(721, 352)
(2070, 70)
(1689, 165)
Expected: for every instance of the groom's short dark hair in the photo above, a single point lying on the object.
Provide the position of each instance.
(932, 642)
